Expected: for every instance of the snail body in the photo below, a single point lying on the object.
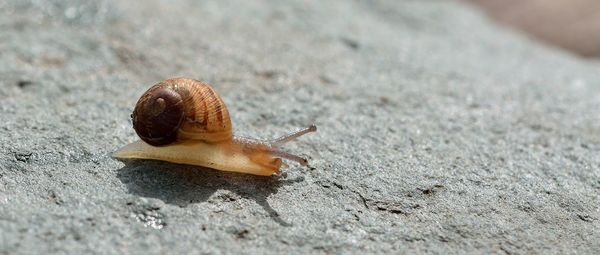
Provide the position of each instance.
(185, 121)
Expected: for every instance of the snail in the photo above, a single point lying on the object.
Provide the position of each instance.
(185, 121)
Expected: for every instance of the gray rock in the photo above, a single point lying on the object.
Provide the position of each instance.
(439, 132)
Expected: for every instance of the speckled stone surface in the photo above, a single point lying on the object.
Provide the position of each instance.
(439, 132)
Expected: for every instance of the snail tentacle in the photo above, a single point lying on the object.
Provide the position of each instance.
(292, 136)
(302, 161)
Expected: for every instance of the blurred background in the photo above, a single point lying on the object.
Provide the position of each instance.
(570, 24)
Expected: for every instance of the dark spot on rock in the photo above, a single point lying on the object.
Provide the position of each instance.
(384, 100)
(350, 43)
(572, 157)
(338, 185)
(320, 247)
(242, 234)
(474, 105)
(431, 190)
(227, 197)
(326, 80)
(127, 55)
(24, 83)
(527, 207)
(238, 231)
(324, 184)
(362, 198)
(596, 184)
(52, 197)
(397, 211)
(413, 239)
(267, 74)
(23, 156)
(443, 238)
(53, 61)
(396, 207)
(585, 217)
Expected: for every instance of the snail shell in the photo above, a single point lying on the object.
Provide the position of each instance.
(179, 109)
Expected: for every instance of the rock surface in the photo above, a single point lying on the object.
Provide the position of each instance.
(439, 132)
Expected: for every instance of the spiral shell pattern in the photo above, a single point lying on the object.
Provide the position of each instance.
(181, 109)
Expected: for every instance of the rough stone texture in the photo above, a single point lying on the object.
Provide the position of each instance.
(438, 131)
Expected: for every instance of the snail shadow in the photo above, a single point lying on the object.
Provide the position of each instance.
(183, 185)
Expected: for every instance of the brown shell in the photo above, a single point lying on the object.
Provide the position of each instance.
(181, 109)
